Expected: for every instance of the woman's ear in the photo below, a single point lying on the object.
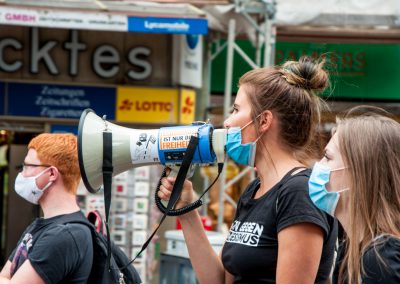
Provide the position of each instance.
(266, 119)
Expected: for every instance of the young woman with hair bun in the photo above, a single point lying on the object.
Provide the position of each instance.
(278, 235)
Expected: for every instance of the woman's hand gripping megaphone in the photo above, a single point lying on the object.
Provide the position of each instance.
(179, 191)
(188, 195)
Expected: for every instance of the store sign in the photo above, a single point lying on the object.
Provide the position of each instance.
(187, 106)
(57, 128)
(100, 21)
(62, 19)
(188, 58)
(357, 71)
(106, 59)
(168, 25)
(147, 105)
(59, 101)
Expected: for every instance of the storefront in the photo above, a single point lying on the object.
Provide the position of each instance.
(140, 71)
(363, 69)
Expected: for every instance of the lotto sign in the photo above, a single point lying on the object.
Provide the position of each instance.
(187, 106)
(147, 105)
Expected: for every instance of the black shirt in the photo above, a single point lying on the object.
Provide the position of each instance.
(59, 253)
(386, 249)
(250, 252)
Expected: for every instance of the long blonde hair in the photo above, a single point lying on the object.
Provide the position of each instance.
(370, 146)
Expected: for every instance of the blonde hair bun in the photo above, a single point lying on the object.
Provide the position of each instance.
(306, 73)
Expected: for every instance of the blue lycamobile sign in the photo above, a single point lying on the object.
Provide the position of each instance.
(168, 25)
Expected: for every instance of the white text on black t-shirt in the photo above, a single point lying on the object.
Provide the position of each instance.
(246, 234)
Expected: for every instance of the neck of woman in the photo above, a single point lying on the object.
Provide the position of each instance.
(272, 164)
(340, 212)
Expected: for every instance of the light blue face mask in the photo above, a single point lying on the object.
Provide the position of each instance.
(323, 199)
(243, 154)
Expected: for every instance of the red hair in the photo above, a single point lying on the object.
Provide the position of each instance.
(60, 151)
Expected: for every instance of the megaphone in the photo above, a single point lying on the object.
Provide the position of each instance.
(136, 147)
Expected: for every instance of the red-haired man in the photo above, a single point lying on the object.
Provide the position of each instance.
(50, 251)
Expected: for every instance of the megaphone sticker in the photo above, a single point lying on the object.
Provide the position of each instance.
(143, 145)
(175, 138)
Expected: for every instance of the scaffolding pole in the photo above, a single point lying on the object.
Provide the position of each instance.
(268, 34)
(227, 104)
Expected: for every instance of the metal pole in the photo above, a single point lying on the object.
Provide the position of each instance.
(258, 49)
(205, 105)
(229, 67)
(269, 42)
(245, 56)
(227, 105)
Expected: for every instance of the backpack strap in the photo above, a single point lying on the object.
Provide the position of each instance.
(97, 221)
(117, 258)
(72, 218)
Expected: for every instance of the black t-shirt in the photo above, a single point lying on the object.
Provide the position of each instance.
(251, 249)
(59, 253)
(385, 248)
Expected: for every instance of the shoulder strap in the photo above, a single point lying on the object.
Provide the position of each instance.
(297, 170)
(293, 172)
(73, 219)
(107, 181)
(97, 221)
(94, 221)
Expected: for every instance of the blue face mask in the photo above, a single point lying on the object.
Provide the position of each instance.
(323, 199)
(243, 154)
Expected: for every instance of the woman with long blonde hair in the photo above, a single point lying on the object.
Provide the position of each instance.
(358, 181)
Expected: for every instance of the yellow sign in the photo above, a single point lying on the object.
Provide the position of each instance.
(147, 105)
(187, 106)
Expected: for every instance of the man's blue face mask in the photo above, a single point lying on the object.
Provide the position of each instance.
(243, 154)
(323, 199)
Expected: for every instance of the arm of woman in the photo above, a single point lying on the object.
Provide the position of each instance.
(299, 253)
(206, 263)
(228, 278)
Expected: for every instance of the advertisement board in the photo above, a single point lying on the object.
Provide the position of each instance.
(357, 71)
(59, 101)
(168, 25)
(147, 105)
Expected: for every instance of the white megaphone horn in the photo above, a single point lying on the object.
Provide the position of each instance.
(136, 147)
